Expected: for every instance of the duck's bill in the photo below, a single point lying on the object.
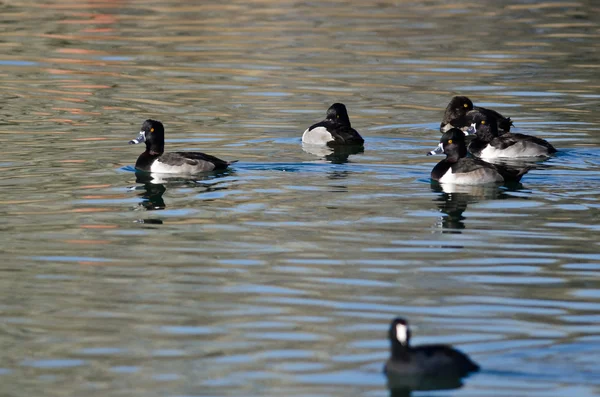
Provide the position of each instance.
(141, 138)
(437, 150)
(471, 130)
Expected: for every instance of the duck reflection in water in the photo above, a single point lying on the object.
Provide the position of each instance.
(338, 176)
(152, 194)
(403, 387)
(454, 199)
(155, 185)
(333, 155)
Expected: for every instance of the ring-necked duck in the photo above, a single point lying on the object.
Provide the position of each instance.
(456, 112)
(488, 144)
(424, 360)
(458, 169)
(155, 160)
(334, 131)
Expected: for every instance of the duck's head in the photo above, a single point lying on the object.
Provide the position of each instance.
(338, 114)
(452, 144)
(457, 109)
(484, 126)
(153, 134)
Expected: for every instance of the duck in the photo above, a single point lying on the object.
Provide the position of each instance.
(489, 144)
(461, 109)
(425, 361)
(154, 160)
(334, 131)
(458, 169)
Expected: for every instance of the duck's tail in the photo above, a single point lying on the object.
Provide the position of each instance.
(505, 124)
(522, 172)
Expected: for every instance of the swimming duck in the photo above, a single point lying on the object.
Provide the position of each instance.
(488, 144)
(155, 160)
(334, 131)
(461, 106)
(426, 360)
(458, 169)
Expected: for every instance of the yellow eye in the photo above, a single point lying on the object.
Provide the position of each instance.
(449, 141)
(465, 105)
(337, 116)
(482, 121)
(151, 129)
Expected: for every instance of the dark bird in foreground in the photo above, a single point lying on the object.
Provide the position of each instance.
(425, 367)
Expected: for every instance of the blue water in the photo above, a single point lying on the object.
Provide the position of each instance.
(280, 275)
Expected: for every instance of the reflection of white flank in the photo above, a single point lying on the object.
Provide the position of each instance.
(317, 150)
(317, 136)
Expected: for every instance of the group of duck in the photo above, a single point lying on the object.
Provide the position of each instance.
(408, 368)
(491, 141)
(466, 129)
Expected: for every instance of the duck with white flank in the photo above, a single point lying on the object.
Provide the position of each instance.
(155, 160)
(334, 131)
(458, 169)
(488, 144)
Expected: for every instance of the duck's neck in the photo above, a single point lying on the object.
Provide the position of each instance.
(399, 351)
(457, 154)
(487, 134)
(155, 149)
(453, 158)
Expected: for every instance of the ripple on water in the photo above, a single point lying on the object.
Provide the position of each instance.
(280, 275)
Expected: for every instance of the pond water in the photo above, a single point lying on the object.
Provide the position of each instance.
(281, 275)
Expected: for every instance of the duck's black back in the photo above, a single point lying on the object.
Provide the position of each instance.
(461, 361)
(342, 134)
(181, 158)
(507, 140)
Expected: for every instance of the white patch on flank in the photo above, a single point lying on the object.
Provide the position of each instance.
(162, 168)
(477, 177)
(401, 333)
(519, 149)
(317, 136)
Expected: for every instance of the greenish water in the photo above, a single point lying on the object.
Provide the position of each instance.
(280, 276)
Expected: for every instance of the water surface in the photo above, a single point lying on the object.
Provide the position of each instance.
(280, 276)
